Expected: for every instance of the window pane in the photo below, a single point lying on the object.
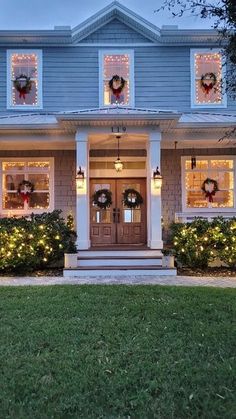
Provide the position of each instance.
(39, 200)
(39, 164)
(118, 64)
(222, 164)
(200, 164)
(208, 78)
(194, 180)
(13, 165)
(12, 201)
(101, 216)
(40, 181)
(11, 182)
(24, 74)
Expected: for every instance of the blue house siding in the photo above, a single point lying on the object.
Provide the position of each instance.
(71, 73)
(115, 32)
(3, 79)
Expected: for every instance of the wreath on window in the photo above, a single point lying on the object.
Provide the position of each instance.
(102, 198)
(117, 85)
(208, 77)
(132, 198)
(25, 189)
(210, 187)
(23, 85)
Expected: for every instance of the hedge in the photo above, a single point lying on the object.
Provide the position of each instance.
(201, 241)
(34, 242)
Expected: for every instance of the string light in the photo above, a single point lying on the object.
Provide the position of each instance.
(116, 64)
(208, 63)
(26, 64)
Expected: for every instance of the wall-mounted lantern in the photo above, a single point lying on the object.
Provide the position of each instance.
(157, 178)
(80, 178)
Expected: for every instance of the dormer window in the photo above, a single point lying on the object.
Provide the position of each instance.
(116, 78)
(24, 79)
(208, 86)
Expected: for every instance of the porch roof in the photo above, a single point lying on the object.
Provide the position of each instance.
(166, 119)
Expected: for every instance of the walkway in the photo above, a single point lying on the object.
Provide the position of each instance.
(222, 282)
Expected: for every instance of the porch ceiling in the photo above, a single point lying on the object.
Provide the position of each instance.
(109, 141)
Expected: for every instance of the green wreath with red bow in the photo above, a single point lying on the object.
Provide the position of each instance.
(210, 187)
(207, 87)
(25, 189)
(117, 90)
(23, 85)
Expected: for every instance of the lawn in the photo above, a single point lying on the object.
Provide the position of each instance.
(116, 352)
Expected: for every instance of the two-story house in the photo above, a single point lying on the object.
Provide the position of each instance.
(119, 104)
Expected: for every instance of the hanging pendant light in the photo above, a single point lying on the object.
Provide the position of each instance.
(118, 163)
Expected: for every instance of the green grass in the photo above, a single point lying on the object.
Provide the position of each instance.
(116, 352)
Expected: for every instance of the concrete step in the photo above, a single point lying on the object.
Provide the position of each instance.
(83, 271)
(119, 261)
(120, 253)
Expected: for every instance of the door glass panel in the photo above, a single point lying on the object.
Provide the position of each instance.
(101, 216)
(132, 215)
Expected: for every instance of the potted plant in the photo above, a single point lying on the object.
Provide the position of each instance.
(71, 255)
(168, 258)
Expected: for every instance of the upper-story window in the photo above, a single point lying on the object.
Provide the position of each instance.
(24, 79)
(116, 78)
(207, 74)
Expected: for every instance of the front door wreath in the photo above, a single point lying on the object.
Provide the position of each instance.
(132, 198)
(102, 198)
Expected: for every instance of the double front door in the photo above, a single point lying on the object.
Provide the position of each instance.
(119, 223)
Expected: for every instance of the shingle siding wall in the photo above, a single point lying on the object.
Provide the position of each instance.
(64, 176)
(171, 172)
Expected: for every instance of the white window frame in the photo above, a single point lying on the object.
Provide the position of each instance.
(22, 212)
(103, 52)
(10, 105)
(194, 105)
(218, 211)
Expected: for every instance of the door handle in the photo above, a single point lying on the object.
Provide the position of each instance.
(118, 215)
(114, 215)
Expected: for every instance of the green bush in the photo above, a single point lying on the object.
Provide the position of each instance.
(199, 242)
(34, 242)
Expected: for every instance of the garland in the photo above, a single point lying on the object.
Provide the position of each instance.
(210, 77)
(25, 189)
(22, 89)
(132, 198)
(102, 198)
(117, 90)
(210, 187)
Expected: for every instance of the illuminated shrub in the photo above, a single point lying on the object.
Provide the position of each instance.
(201, 241)
(33, 242)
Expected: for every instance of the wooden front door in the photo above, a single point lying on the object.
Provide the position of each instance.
(118, 224)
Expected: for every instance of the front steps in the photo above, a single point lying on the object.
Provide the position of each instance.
(123, 262)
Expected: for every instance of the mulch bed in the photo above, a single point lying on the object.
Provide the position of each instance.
(226, 272)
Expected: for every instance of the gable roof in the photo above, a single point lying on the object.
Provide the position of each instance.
(64, 35)
(115, 11)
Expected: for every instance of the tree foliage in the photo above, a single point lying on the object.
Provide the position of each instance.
(223, 14)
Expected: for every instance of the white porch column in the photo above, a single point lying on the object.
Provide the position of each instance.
(82, 195)
(154, 195)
